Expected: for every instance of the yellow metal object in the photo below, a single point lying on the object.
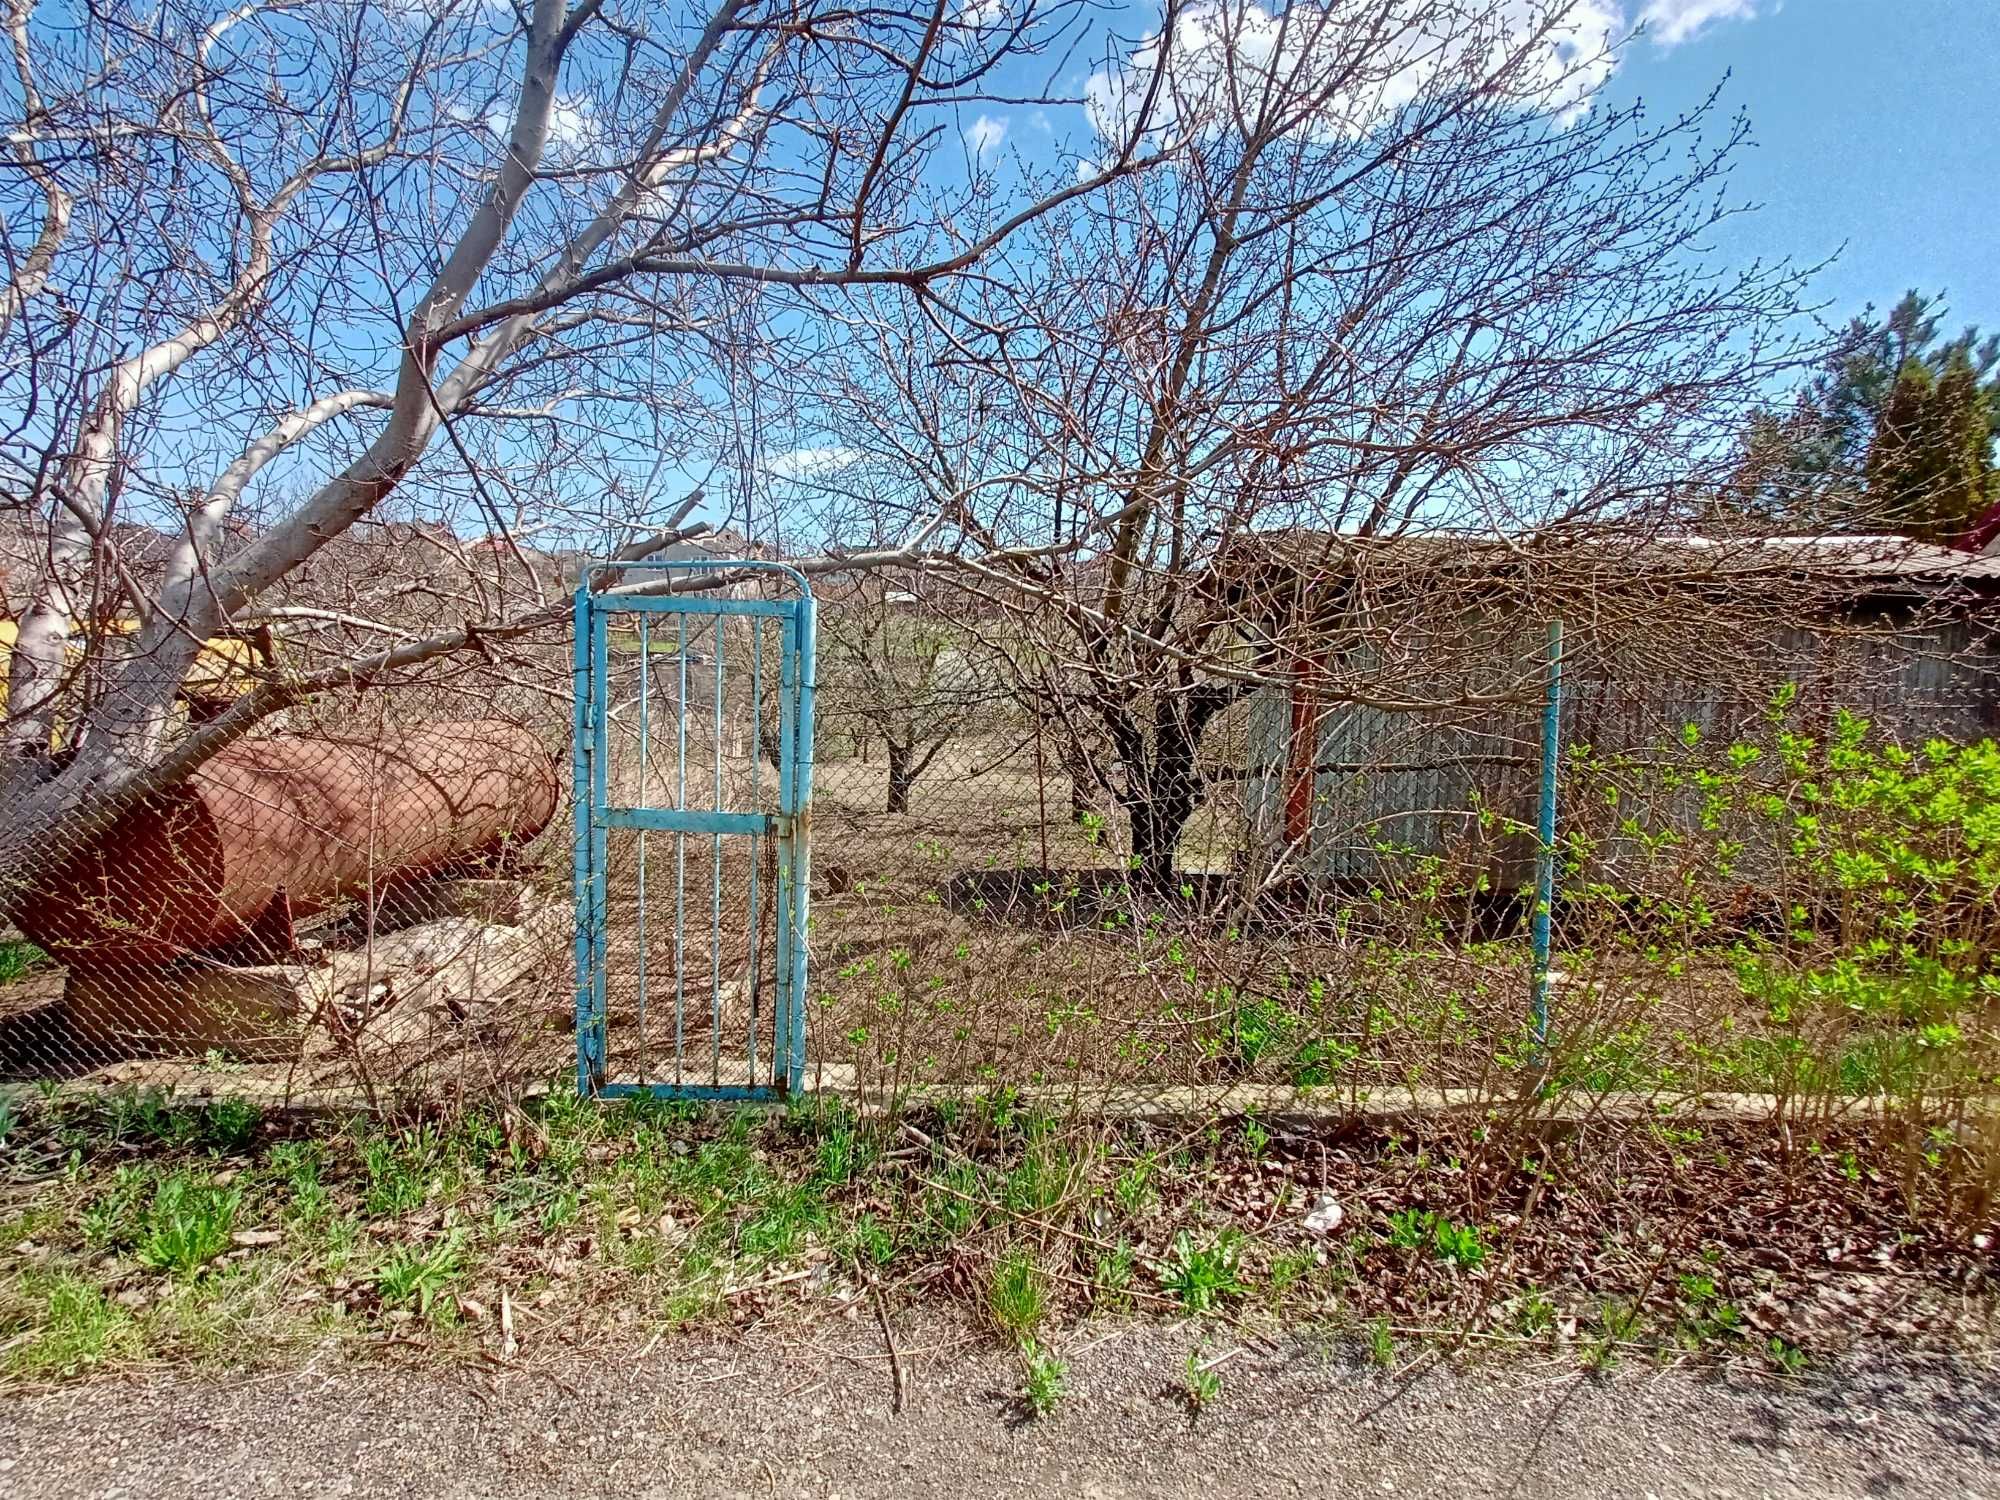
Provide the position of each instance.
(224, 671)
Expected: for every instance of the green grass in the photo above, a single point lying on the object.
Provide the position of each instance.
(18, 956)
(70, 1327)
(1017, 1297)
(667, 1217)
(1381, 1344)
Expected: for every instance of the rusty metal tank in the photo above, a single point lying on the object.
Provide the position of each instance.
(278, 828)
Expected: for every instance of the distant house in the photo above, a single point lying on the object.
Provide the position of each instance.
(1418, 691)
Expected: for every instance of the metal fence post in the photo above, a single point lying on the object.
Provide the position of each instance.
(1545, 833)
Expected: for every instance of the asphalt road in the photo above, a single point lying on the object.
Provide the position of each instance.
(809, 1413)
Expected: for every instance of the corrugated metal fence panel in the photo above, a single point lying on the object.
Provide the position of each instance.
(1410, 780)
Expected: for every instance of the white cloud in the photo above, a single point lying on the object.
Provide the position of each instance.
(1671, 22)
(981, 12)
(572, 122)
(812, 463)
(1224, 53)
(985, 134)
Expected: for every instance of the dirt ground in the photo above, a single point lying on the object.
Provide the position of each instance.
(812, 1416)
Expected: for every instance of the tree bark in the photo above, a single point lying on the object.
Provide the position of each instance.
(1163, 786)
(902, 773)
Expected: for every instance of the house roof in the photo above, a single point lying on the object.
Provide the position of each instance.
(1893, 562)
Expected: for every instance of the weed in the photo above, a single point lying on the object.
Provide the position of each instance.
(76, 1328)
(229, 1125)
(1258, 1027)
(297, 1165)
(1111, 1277)
(1017, 1297)
(560, 1210)
(1200, 1385)
(397, 1176)
(1255, 1136)
(1410, 1228)
(1534, 1314)
(1786, 1357)
(188, 1225)
(1289, 1269)
(1202, 1277)
(420, 1275)
(18, 957)
(1134, 1188)
(115, 1216)
(1460, 1246)
(1381, 1344)
(1618, 1321)
(1046, 1379)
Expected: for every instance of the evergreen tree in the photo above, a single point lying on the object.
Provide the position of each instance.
(1895, 431)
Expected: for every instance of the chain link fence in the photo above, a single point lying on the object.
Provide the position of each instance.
(369, 899)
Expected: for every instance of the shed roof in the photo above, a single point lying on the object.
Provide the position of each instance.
(1894, 562)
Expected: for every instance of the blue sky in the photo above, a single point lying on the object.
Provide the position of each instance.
(1872, 126)
(1874, 123)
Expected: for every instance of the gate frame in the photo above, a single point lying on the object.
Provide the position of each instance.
(789, 826)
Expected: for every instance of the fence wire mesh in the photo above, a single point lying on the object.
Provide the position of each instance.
(369, 898)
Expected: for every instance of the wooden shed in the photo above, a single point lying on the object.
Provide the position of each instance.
(1419, 672)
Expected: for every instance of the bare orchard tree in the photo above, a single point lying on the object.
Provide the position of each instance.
(894, 669)
(280, 268)
(1409, 275)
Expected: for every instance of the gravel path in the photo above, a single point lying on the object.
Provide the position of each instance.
(811, 1416)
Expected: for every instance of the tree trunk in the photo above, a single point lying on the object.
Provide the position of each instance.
(902, 772)
(1161, 799)
(1162, 784)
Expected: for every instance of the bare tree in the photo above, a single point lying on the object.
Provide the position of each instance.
(905, 674)
(1406, 275)
(278, 269)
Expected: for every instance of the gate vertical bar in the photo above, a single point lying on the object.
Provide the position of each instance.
(802, 769)
(715, 884)
(600, 850)
(680, 845)
(581, 809)
(644, 797)
(788, 1000)
(755, 973)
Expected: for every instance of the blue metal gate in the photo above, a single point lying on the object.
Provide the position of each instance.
(694, 731)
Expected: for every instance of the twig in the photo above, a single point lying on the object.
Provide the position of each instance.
(895, 1354)
(769, 1282)
(1221, 1359)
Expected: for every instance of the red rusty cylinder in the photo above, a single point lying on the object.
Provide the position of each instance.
(291, 822)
